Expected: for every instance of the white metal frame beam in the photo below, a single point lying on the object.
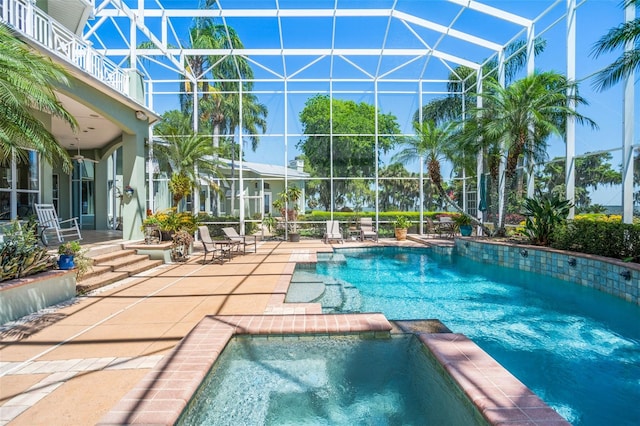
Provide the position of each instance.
(121, 10)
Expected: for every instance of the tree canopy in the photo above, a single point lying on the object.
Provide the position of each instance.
(592, 171)
(344, 147)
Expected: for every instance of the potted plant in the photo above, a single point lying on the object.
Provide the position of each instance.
(400, 225)
(181, 247)
(169, 222)
(464, 224)
(151, 229)
(291, 195)
(270, 223)
(72, 256)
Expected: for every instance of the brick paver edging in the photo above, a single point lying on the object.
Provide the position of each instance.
(161, 396)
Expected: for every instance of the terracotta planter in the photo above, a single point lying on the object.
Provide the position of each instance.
(401, 234)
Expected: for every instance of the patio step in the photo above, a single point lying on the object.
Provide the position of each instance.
(88, 284)
(111, 265)
(114, 253)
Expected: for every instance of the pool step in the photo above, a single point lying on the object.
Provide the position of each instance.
(331, 300)
(304, 292)
(352, 300)
(332, 258)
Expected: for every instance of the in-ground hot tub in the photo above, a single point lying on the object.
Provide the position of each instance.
(491, 394)
(337, 380)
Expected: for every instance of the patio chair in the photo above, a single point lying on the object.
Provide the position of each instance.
(367, 230)
(333, 232)
(54, 228)
(244, 240)
(447, 226)
(431, 228)
(210, 246)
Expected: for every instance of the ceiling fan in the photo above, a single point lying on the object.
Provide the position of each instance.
(79, 157)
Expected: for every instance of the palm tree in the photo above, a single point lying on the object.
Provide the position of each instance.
(434, 143)
(229, 97)
(461, 79)
(522, 116)
(190, 158)
(617, 38)
(26, 84)
(220, 103)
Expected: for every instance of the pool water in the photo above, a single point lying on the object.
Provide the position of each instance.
(577, 348)
(326, 381)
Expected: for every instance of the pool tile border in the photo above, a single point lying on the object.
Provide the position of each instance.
(161, 396)
(612, 276)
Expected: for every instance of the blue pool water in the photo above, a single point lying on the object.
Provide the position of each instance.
(326, 381)
(577, 348)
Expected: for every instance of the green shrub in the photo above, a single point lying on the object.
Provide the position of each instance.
(170, 220)
(600, 237)
(215, 230)
(20, 254)
(543, 216)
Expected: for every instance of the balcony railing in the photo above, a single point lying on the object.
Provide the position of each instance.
(26, 18)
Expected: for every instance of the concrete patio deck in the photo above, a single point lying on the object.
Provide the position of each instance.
(72, 365)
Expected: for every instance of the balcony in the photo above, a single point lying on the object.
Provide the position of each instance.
(24, 17)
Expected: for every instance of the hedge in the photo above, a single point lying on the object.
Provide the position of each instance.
(215, 230)
(603, 238)
(383, 216)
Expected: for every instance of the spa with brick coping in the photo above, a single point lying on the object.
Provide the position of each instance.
(162, 395)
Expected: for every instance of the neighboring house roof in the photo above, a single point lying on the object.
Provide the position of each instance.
(263, 170)
(267, 170)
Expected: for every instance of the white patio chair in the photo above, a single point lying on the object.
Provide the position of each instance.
(54, 228)
(333, 232)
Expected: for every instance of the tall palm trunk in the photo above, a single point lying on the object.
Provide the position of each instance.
(216, 119)
(436, 178)
(510, 177)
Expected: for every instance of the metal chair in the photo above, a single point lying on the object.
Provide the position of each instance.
(244, 240)
(211, 246)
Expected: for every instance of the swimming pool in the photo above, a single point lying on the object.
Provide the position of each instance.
(577, 348)
(339, 380)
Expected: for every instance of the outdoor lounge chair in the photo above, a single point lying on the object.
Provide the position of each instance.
(333, 232)
(244, 240)
(367, 229)
(210, 246)
(54, 228)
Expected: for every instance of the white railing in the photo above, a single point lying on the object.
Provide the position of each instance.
(26, 18)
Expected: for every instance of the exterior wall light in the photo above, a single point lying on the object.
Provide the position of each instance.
(128, 191)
